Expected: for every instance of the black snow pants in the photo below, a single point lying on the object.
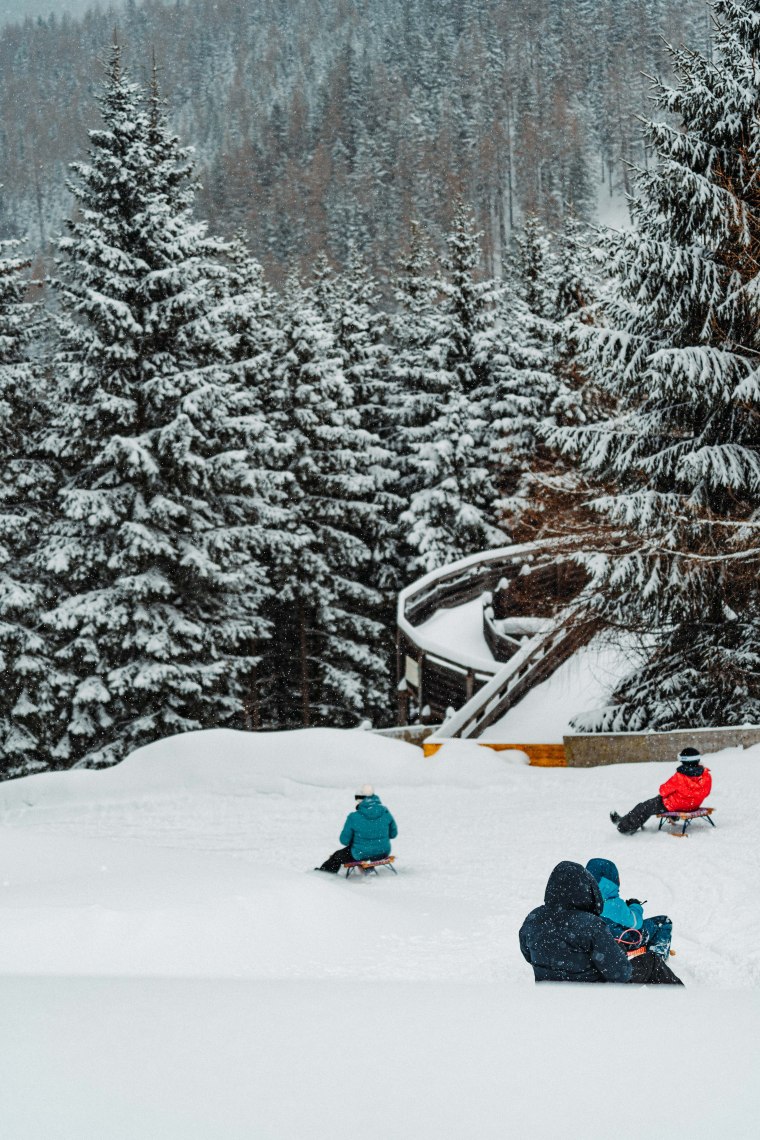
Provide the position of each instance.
(638, 816)
(651, 970)
(336, 860)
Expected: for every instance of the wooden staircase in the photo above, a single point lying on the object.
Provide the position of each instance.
(534, 663)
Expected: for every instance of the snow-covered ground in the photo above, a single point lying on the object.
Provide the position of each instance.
(172, 968)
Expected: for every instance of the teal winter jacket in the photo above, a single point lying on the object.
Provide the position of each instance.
(615, 910)
(368, 830)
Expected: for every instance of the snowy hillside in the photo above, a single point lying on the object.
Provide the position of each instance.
(170, 965)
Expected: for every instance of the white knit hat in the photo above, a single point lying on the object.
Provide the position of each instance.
(364, 791)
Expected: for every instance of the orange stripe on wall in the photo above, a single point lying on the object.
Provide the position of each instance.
(540, 755)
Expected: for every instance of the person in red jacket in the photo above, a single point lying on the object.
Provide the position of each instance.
(686, 790)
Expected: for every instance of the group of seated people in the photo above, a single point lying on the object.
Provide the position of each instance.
(585, 932)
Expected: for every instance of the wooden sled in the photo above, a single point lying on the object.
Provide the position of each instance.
(369, 866)
(685, 818)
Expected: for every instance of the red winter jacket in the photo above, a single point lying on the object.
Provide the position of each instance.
(686, 793)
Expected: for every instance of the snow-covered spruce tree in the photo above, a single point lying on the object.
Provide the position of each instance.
(154, 550)
(27, 484)
(327, 658)
(444, 371)
(522, 356)
(537, 384)
(349, 302)
(677, 343)
(414, 377)
(250, 314)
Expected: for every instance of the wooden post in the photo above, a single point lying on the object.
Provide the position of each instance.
(402, 696)
(469, 685)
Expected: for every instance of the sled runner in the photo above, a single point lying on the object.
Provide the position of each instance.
(369, 866)
(686, 818)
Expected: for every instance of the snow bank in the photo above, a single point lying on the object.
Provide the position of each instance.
(223, 761)
(211, 1060)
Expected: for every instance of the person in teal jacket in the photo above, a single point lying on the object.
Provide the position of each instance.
(628, 914)
(367, 832)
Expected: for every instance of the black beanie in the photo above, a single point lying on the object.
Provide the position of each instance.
(689, 756)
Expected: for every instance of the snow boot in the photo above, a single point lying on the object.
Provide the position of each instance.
(615, 817)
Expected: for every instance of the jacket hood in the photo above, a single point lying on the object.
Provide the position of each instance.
(371, 807)
(571, 886)
(603, 869)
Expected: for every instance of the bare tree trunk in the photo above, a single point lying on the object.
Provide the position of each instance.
(510, 167)
(305, 684)
(501, 220)
(40, 206)
(253, 711)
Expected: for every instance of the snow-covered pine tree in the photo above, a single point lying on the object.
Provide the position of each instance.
(154, 550)
(414, 377)
(536, 381)
(27, 483)
(444, 374)
(326, 658)
(251, 316)
(521, 355)
(677, 344)
(349, 302)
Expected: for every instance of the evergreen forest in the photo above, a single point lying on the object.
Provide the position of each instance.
(317, 123)
(215, 477)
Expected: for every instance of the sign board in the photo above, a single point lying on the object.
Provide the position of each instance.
(412, 672)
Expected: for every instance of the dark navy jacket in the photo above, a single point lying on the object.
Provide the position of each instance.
(565, 940)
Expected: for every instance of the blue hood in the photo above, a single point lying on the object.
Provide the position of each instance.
(615, 910)
(603, 869)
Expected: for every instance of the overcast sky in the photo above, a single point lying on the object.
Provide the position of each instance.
(18, 9)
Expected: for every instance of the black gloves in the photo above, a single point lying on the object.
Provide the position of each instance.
(629, 901)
